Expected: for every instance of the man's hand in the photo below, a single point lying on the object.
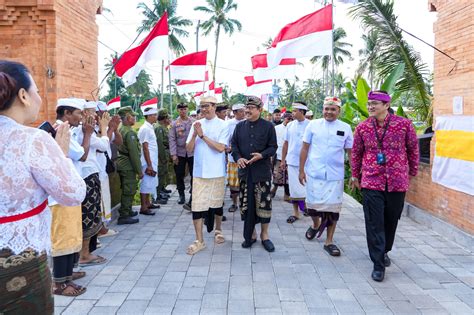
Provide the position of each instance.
(255, 157)
(114, 122)
(63, 137)
(104, 121)
(302, 178)
(283, 164)
(150, 172)
(198, 129)
(88, 125)
(228, 149)
(175, 159)
(140, 176)
(354, 183)
(242, 162)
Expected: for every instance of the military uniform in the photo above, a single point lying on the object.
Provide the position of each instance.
(161, 133)
(128, 165)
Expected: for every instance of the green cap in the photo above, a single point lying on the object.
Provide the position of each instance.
(162, 114)
(123, 111)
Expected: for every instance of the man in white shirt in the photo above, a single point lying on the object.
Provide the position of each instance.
(321, 170)
(232, 167)
(149, 160)
(90, 169)
(207, 138)
(280, 175)
(293, 140)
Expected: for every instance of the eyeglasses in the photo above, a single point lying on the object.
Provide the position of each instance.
(204, 106)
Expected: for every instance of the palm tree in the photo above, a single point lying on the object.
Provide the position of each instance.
(219, 9)
(339, 53)
(268, 43)
(369, 56)
(377, 15)
(176, 24)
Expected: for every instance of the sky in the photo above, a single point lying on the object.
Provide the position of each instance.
(261, 19)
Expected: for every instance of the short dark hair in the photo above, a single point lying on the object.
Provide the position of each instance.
(61, 111)
(277, 110)
(14, 76)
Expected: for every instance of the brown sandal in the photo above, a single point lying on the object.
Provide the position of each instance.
(195, 247)
(74, 289)
(219, 237)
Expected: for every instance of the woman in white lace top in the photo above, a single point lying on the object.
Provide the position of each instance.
(33, 166)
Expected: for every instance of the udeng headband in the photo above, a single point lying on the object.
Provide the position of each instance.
(375, 96)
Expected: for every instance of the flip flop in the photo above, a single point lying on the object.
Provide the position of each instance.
(291, 219)
(332, 249)
(268, 245)
(311, 233)
(97, 261)
(78, 275)
(232, 208)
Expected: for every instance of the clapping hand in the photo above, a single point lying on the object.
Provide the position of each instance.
(88, 125)
(63, 137)
(198, 129)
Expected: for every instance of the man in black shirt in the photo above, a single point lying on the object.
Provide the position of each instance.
(253, 144)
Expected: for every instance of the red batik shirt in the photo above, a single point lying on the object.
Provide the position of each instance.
(400, 146)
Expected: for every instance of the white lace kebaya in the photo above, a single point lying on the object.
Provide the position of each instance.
(32, 167)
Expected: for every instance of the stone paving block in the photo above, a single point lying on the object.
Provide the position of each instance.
(111, 299)
(133, 307)
(268, 311)
(377, 310)
(167, 287)
(121, 286)
(187, 307)
(456, 307)
(62, 301)
(213, 311)
(370, 300)
(267, 300)
(340, 295)
(240, 307)
(103, 310)
(402, 307)
(214, 301)
(141, 293)
(458, 288)
(131, 275)
(148, 281)
(163, 300)
(423, 301)
(241, 293)
(216, 287)
(290, 294)
(348, 307)
(391, 294)
(174, 276)
(194, 282)
(198, 271)
(322, 310)
(297, 308)
(191, 294)
(103, 281)
(92, 293)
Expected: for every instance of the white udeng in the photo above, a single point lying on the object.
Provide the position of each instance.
(32, 167)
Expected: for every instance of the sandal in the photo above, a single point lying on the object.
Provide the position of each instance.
(292, 219)
(219, 237)
(78, 275)
(233, 208)
(69, 289)
(99, 260)
(195, 247)
(332, 249)
(311, 233)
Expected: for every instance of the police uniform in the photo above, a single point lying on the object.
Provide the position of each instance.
(161, 133)
(128, 164)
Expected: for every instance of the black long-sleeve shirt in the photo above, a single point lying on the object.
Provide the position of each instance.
(255, 137)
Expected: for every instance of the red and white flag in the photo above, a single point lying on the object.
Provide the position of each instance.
(189, 67)
(309, 36)
(216, 92)
(113, 103)
(154, 48)
(258, 88)
(150, 103)
(285, 70)
(191, 86)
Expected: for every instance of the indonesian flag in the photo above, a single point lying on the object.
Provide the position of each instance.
(285, 70)
(216, 92)
(113, 103)
(189, 67)
(154, 48)
(258, 88)
(191, 86)
(150, 103)
(309, 36)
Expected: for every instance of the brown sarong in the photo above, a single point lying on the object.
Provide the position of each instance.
(280, 176)
(92, 207)
(25, 283)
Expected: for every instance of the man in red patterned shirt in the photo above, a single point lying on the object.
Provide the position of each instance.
(384, 155)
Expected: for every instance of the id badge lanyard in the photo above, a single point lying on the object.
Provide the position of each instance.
(385, 128)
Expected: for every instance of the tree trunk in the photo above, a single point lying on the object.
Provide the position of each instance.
(215, 57)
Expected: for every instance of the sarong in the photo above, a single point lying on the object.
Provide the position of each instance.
(297, 191)
(207, 193)
(255, 204)
(25, 283)
(91, 207)
(63, 267)
(66, 230)
(148, 184)
(233, 177)
(324, 200)
(280, 176)
(106, 199)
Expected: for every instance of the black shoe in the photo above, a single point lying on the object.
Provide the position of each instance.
(224, 218)
(161, 201)
(164, 196)
(181, 200)
(268, 245)
(386, 260)
(166, 191)
(247, 244)
(133, 213)
(378, 275)
(187, 206)
(127, 220)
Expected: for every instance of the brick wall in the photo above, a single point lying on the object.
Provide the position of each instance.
(454, 34)
(51, 37)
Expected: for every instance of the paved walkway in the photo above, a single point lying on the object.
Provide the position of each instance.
(149, 272)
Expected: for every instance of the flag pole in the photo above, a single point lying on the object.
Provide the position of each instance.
(171, 96)
(162, 81)
(332, 56)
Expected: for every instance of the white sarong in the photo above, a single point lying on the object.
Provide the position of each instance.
(148, 184)
(324, 195)
(106, 199)
(207, 193)
(297, 191)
